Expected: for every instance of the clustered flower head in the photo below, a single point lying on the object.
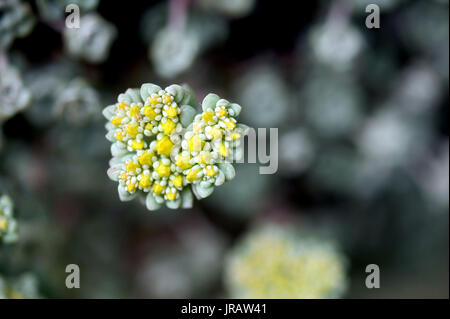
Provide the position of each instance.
(8, 225)
(164, 151)
(22, 287)
(274, 262)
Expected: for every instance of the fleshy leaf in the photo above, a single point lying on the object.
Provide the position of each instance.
(209, 102)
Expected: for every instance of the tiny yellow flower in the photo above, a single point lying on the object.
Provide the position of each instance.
(157, 188)
(163, 170)
(164, 146)
(168, 126)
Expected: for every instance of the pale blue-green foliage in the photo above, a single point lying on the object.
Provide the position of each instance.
(59, 93)
(45, 83)
(55, 9)
(16, 21)
(92, 41)
(23, 287)
(174, 49)
(14, 96)
(296, 151)
(336, 44)
(77, 102)
(260, 88)
(333, 105)
(186, 267)
(8, 224)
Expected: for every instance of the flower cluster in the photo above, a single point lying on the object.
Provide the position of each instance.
(8, 225)
(161, 149)
(23, 287)
(273, 262)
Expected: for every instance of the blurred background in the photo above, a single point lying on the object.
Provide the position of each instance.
(363, 168)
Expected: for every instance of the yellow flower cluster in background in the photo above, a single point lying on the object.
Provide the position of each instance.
(162, 149)
(274, 262)
(8, 225)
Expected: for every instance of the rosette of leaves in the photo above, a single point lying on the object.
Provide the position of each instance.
(14, 96)
(164, 152)
(8, 225)
(92, 41)
(337, 44)
(77, 102)
(174, 49)
(16, 21)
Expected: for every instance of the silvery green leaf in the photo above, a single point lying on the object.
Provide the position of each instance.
(204, 184)
(223, 103)
(147, 89)
(220, 178)
(187, 115)
(159, 199)
(110, 127)
(189, 96)
(238, 154)
(113, 172)
(187, 199)
(236, 109)
(110, 136)
(124, 196)
(150, 202)
(123, 97)
(201, 192)
(108, 112)
(177, 91)
(174, 204)
(134, 94)
(244, 129)
(117, 150)
(228, 170)
(209, 102)
(117, 160)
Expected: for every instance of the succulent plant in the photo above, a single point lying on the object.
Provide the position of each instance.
(14, 96)
(23, 287)
(8, 225)
(92, 41)
(164, 151)
(16, 21)
(274, 262)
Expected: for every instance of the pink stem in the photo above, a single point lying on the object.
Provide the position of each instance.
(178, 13)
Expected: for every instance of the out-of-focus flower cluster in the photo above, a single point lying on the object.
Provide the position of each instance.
(163, 150)
(275, 262)
(22, 287)
(8, 224)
